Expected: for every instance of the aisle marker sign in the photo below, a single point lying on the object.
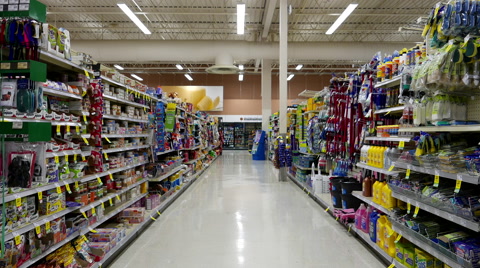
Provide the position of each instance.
(417, 209)
(409, 207)
(398, 238)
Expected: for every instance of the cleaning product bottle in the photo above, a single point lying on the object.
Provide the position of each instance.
(390, 201)
(359, 214)
(382, 157)
(373, 179)
(374, 188)
(389, 238)
(372, 230)
(367, 186)
(381, 230)
(369, 155)
(380, 192)
(366, 220)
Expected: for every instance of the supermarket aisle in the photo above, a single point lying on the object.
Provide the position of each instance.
(238, 215)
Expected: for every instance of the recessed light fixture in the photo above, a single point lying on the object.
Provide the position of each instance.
(342, 18)
(118, 67)
(299, 67)
(240, 77)
(290, 77)
(188, 77)
(134, 18)
(137, 77)
(240, 18)
(240, 67)
(180, 67)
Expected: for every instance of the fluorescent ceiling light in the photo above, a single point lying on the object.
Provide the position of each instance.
(179, 67)
(240, 67)
(137, 77)
(240, 18)
(240, 77)
(134, 18)
(342, 18)
(290, 77)
(118, 67)
(299, 67)
(188, 77)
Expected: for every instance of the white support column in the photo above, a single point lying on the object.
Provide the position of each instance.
(266, 93)
(283, 66)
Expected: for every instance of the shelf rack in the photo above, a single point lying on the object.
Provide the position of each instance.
(131, 103)
(123, 149)
(64, 63)
(60, 93)
(168, 174)
(67, 152)
(395, 81)
(122, 118)
(380, 170)
(390, 110)
(406, 139)
(302, 168)
(472, 225)
(165, 152)
(369, 201)
(454, 176)
(463, 128)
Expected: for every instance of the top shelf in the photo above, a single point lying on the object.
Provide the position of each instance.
(390, 82)
(64, 63)
(464, 128)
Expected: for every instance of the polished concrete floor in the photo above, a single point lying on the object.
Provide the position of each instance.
(239, 215)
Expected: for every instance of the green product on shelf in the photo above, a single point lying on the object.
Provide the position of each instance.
(409, 257)
(423, 259)
(400, 251)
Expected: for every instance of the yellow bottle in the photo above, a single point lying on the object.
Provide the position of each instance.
(381, 230)
(374, 191)
(370, 155)
(375, 156)
(377, 191)
(389, 201)
(381, 157)
(389, 238)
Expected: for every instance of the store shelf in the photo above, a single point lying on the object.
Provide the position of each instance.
(465, 177)
(380, 170)
(40, 221)
(59, 93)
(191, 149)
(110, 171)
(390, 110)
(312, 112)
(78, 233)
(62, 62)
(303, 168)
(310, 153)
(398, 264)
(67, 152)
(124, 149)
(192, 161)
(366, 238)
(166, 152)
(308, 93)
(395, 81)
(406, 139)
(475, 226)
(111, 196)
(52, 122)
(122, 118)
(309, 192)
(464, 128)
(111, 81)
(369, 201)
(410, 236)
(123, 135)
(168, 174)
(180, 117)
(127, 102)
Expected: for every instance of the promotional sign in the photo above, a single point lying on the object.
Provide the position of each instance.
(203, 98)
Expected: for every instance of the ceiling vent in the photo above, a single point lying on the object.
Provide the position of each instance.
(223, 65)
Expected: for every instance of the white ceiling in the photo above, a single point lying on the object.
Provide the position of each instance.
(215, 20)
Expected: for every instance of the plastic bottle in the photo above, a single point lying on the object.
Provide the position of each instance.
(389, 238)
(389, 201)
(378, 192)
(381, 156)
(372, 230)
(374, 195)
(366, 220)
(386, 159)
(359, 214)
(381, 230)
(367, 186)
(370, 155)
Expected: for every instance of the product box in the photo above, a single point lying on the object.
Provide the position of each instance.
(409, 257)
(447, 240)
(423, 259)
(399, 252)
(468, 250)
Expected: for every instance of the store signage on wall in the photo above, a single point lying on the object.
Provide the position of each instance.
(203, 98)
(241, 118)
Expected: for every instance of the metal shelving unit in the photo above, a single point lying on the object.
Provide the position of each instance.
(168, 174)
(131, 103)
(390, 110)
(369, 201)
(60, 93)
(464, 128)
(406, 139)
(395, 81)
(454, 176)
(380, 170)
(122, 118)
(123, 149)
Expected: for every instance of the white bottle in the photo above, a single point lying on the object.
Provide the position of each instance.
(386, 160)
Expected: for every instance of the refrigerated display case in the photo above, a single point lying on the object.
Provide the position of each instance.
(238, 136)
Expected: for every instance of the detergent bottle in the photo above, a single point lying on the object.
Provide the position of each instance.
(381, 230)
(367, 186)
(366, 220)
(372, 230)
(390, 202)
(359, 214)
(389, 239)
(374, 194)
(381, 157)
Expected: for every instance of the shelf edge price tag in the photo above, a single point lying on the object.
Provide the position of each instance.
(105, 155)
(85, 140)
(398, 238)
(415, 213)
(110, 176)
(103, 205)
(409, 207)
(77, 129)
(38, 229)
(75, 158)
(94, 212)
(85, 118)
(99, 181)
(18, 240)
(18, 202)
(108, 140)
(67, 186)
(158, 212)
(76, 185)
(110, 201)
(84, 215)
(407, 174)
(327, 209)
(91, 230)
(151, 217)
(47, 226)
(392, 167)
(118, 198)
(58, 130)
(59, 190)
(392, 265)
(83, 158)
(401, 145)
(66, 158)
(57, 159)
(68, 128)
(436, 181)
(458, 184)
(40, 197)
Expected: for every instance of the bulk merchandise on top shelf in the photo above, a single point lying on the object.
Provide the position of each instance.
(85, 150)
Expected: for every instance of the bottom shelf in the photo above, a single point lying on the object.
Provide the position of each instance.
(366, 239)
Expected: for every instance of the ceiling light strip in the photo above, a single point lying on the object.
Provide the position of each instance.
(137, 77)
(134, 18)
(342, 18)
(290, 77)
(188, 77)
(118, 67)
(240, 18)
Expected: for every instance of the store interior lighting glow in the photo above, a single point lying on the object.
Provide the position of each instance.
(299, 67)
(188, 77)
(240, 77)
(290, 77)
(179, 67)
(137, 77)
(240, 18)
(240, 67)
(134, 18)
(342, 18)
(118, 67)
